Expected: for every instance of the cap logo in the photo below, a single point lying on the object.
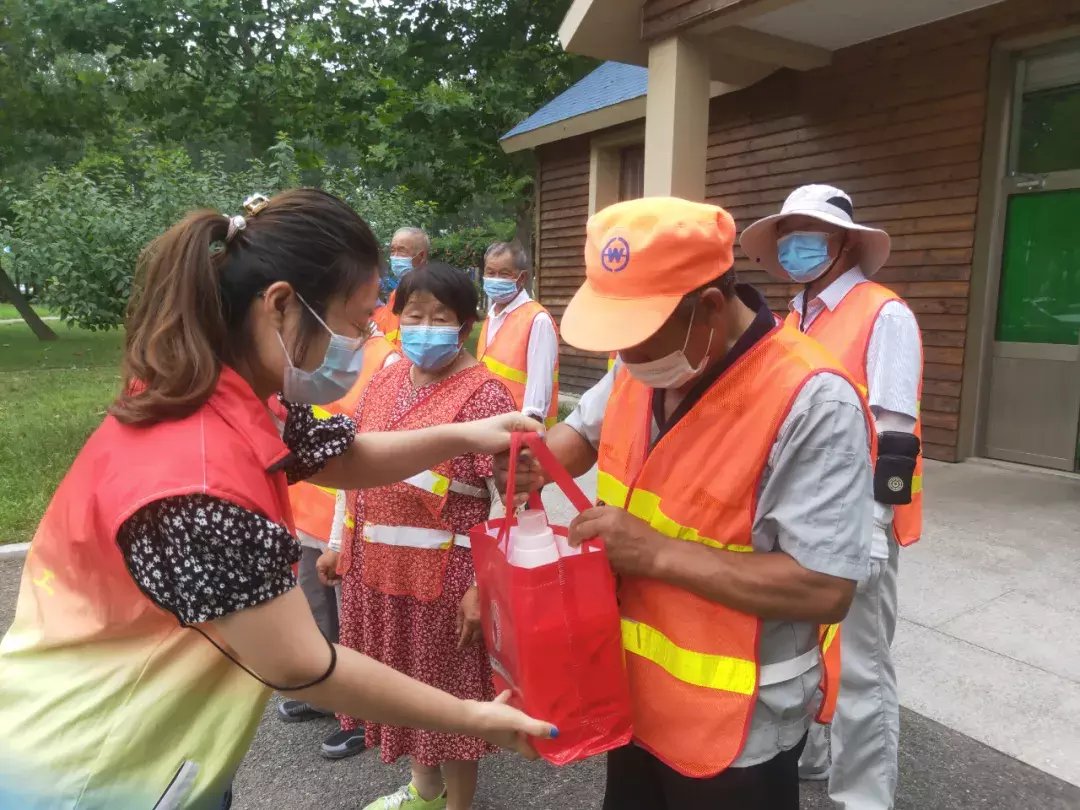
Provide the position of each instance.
(616, 255)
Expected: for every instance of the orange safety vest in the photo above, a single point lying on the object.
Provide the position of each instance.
(693, 664)
(313, 506)
(389, 323)
(846, 331)
(507, 357)
(157, 717)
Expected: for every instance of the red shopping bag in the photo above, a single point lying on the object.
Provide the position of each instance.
(553, 633)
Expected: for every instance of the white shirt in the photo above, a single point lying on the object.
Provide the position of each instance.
(541, 355)
(893, 371)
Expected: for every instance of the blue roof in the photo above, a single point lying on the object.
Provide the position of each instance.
(611, 83)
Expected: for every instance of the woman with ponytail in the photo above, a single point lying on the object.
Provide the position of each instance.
(158, 607)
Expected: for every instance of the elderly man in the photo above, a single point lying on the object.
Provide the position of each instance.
(815, 241)
(409, 248)
(734, 469)
(518, 342)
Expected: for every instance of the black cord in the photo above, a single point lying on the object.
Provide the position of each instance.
(329, 670)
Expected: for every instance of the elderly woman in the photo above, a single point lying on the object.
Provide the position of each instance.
(408, 596)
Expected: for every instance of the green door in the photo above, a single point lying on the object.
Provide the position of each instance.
(1034, 407)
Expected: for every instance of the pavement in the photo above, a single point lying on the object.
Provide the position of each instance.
(989, 666)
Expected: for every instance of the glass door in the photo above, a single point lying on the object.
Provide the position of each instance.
(1034, 408)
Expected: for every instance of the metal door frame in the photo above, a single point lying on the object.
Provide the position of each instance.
(1002, 118)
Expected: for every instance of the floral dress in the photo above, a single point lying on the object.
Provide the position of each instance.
(420, 638)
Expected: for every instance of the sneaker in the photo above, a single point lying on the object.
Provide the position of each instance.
(299, 711)
(406, 798)
(342, 744)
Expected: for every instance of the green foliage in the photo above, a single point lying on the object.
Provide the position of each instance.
(78, 232)
(465, 248)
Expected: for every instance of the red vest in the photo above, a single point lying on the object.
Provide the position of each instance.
(846, 331)
(693, 664)
(508, 356)
(137, 696)
(399, 555)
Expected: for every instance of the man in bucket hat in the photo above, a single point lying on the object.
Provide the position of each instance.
(815, 241)
(734, 476)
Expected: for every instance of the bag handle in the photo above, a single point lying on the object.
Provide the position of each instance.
(550, 465)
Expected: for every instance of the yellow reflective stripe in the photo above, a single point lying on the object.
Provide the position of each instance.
(916, 484)
(551, 421)
(863, 389)
(610, 489)
(723, 672)
(646, 506)
(430, 481)
(830, 634)
(393, 335)
(320, 413)
(610, 363)
(350, 522)
(328, 490)
(504, 371)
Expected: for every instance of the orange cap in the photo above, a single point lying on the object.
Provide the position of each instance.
(641, 258)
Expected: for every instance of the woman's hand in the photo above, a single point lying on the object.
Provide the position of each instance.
(326, 566)
(492, 435)
(504, 726)
(468, 618)
(529, 477)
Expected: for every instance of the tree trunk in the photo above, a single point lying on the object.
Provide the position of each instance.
(10, 291)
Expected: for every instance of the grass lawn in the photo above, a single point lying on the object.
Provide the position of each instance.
(52, 396)
(8, 312)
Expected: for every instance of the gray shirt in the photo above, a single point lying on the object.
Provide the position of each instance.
(814, 504)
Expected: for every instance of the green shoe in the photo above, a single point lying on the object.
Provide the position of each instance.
(406, 798)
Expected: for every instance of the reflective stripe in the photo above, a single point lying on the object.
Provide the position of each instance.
(830, 634)
(350, 522)
(436, 484)
(393, 335)
(700, 669)
(916, 484)
(863, 390)
(788, 670)
(413, 537)
(551, 421)
(646, 506)
(320, 413)
(328, 490)
(509, 372)
(504, 371)
(430, 481)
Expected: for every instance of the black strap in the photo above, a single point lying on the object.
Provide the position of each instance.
(329, 670)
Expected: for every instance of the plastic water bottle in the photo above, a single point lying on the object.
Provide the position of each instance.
(532, 542)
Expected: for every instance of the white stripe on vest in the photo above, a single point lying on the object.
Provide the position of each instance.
(431, 481)
(413, 537)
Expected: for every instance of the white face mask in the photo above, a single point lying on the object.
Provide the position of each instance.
(674, 370)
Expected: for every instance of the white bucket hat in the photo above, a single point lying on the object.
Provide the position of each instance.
(824, 203)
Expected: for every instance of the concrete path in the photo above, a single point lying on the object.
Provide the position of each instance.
(988, 654)
(9, 321)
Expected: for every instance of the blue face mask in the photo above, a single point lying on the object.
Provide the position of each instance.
(430, 347)
(400, 265)
(804, 255)
(501, 290)
(333, 378)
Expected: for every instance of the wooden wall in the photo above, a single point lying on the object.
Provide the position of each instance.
(897, 123)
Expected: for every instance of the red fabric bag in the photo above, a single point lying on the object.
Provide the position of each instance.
(553, 633)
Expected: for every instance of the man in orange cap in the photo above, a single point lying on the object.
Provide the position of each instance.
(735, 479)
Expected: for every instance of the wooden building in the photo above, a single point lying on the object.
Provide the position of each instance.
(954, 125)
